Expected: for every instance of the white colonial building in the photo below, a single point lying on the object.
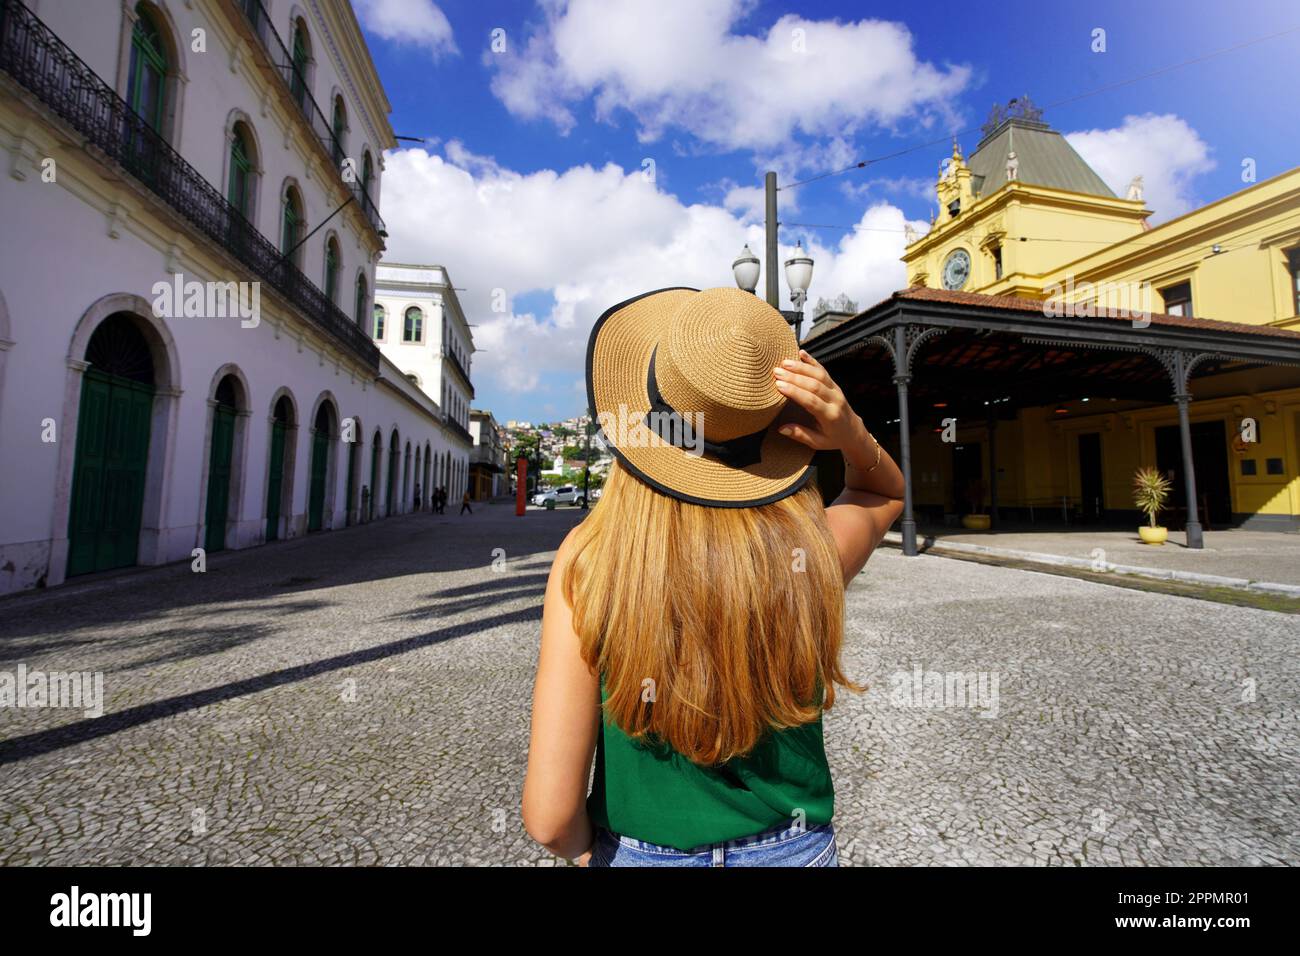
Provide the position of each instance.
(231, 151)
(419, 326)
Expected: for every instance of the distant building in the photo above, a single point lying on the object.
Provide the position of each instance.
(418, 324)
(487, 465)
(1052, 342)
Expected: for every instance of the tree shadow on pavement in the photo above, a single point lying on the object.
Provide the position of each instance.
(35, 744)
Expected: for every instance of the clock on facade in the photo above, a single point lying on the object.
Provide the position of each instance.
(956, 269)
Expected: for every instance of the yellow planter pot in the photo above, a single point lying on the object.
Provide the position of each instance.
(976, 522)
(1151, 535)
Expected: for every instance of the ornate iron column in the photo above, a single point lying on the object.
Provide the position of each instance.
(902, 348)
(1179, 364)
(993, 465)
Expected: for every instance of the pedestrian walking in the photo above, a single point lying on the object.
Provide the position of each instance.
(419, 503)
(442, 500)
(707, 738)
(464, 504)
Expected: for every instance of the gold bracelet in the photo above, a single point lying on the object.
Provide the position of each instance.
(877, 464)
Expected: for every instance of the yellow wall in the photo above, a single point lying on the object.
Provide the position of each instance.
(1037, 454)
(1246, 281)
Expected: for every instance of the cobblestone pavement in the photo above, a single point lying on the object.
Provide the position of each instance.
(362, 697)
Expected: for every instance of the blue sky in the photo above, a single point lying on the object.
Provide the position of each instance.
(614, 147)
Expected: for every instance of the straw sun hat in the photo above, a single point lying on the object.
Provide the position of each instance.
(680, 382)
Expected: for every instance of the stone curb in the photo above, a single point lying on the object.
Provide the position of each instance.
(1086, 564)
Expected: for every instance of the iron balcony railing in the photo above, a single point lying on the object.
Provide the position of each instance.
(39, 61)
(489, 456)
(300, 92)
(469, 386)
(460, 431)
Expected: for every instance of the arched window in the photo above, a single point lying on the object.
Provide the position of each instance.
(362, 299)
(301, 55)
(332, 264)
(147, 80)
(339, 124)
(379, 322)
(240, 188)
(413, 329)
(291, 221)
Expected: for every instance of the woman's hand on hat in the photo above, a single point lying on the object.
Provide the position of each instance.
(805, 382)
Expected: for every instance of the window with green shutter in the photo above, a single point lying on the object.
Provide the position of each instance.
(298, 84)
(241, 172)
(359, 309)
(331, 269)
(339, 124)
(412, 330)
(291, 222)
(147, 78)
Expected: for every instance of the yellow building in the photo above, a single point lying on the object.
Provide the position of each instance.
(1051, 339)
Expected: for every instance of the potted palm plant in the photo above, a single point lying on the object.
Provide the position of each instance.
(1150, 492)
(977, 519)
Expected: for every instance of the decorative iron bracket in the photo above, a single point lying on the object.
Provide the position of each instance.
(914, 336)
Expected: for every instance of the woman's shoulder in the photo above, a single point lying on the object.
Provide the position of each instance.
(564, 553)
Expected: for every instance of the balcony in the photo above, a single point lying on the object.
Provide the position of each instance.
(455, 363)
(296, 86)
(456, 429)
(492, 457)
(37, 60)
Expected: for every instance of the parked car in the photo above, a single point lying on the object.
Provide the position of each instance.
(564, 495)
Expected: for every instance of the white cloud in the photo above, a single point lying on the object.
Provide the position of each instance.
(590, 237)
(418, 22)
(866, 263)
(1166, 152)
(748, 202)
(681, 65)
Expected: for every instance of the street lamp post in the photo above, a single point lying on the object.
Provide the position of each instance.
(745, 269)
(798, 269)
(798, 276)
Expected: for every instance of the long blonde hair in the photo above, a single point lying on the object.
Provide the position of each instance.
(710, 625)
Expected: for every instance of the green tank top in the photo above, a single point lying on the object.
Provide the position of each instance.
(652, 793)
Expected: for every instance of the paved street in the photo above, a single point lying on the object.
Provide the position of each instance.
(363, 696)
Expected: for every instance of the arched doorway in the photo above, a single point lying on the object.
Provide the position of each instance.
(113, 432)
(351, 507)
(322, 437)
(281, 425)
(221, 456)
(419, 487)
(406, 479)
(428, 470)
(376, 449)
(393, 452)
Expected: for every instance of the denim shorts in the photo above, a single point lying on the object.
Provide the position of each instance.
(795, 846)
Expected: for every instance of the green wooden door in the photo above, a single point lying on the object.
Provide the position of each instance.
(316, 501)
(374, 479)
(108, 472)
(349, 504)
(219, 459)
(275, 482)
(392, 482)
